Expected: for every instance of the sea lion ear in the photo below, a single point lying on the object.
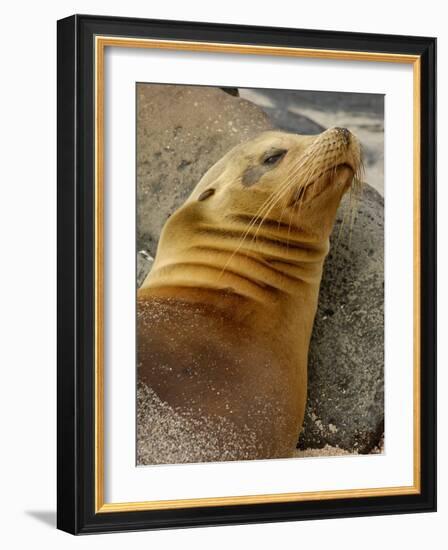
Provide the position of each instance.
(206, 194)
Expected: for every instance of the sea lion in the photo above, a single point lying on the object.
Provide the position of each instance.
(225, 316)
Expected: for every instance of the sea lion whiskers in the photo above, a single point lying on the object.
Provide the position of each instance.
(291, 212)
(261, 212)
(279, 195)
(301, 188)
(298, 205)
(310, 158)
(279, 192)
(292, 176)
(356, 183)
(246, 233)
(283, 184)
(355, 193)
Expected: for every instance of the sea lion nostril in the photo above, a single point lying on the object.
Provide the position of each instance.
(344, 131)
(345, 134)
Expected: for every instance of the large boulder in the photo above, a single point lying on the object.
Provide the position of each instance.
(345, 404)
(182, 131)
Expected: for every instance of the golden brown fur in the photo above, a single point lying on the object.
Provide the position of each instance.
(225, 315)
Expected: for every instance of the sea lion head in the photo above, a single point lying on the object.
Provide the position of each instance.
(273, 198)
(291, 179)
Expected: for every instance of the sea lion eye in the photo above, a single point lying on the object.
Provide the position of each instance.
(206, 194)
(274, 158)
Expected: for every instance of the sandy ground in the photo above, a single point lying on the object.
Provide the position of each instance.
(166, 437)
(328, 450)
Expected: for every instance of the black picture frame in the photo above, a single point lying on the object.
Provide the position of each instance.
(76, 255)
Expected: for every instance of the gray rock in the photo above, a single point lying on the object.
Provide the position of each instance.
(284, 100)
(345, 404)
(346, 382)
(144, 264)
(199, 125)
(292, 122)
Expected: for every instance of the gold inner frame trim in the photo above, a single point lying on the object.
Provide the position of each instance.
(101, 42)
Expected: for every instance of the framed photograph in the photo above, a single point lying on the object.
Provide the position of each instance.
(246, 274)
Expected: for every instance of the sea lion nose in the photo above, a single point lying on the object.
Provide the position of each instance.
(345, 133)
